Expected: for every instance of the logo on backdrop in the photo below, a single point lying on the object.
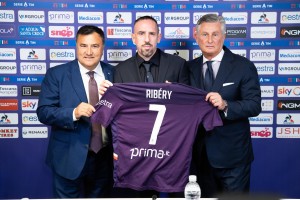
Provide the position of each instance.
(288, 104)
(31, 90)
(290, 32)
(236, 32)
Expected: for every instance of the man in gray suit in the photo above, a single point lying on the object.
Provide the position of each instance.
(223, 156)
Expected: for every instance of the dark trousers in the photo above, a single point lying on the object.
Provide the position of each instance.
(216, 181)
(95, 180)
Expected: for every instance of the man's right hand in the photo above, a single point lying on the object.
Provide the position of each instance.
(104, 85)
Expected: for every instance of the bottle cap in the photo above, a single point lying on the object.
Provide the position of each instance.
(192, 178)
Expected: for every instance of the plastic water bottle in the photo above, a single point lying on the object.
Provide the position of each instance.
(192, 189)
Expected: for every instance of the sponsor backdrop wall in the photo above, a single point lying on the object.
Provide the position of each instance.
(35, 36)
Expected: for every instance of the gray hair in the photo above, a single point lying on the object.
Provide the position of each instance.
(212, 18)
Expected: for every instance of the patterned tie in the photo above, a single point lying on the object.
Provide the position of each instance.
(149, 76)
(209, 77)
(96, 140)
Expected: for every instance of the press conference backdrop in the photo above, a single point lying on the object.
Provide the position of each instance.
(37, 35)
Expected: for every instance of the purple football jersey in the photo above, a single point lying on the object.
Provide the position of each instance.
(154, 126)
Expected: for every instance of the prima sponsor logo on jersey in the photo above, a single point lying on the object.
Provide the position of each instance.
(197, 53)
(290, 17)
(177, 32)
(32, 68)
(289, 54)
(290, 32)
(8, 90)
(263, 32)
(263, 17)
(289, 68)
(288, 118)
(118, 54)
(62, 54)
(177, 18)
(32, 54)
(118, 32)
(241, 52)
(61, 17)
(262, 54)
(32, 31)
(265, 68)
(267, 105)
(236, 32)
(31, 90)
(152, 153)
(198, 15)
(7, 30)
(235, 17)
(288, 91)
(7, 54)
(35, 132)
(31, 16)
(8, 67)
(61, 32)
(7, 16)
(30, 118)
(288, 104)
(262, 118)
(155, 15)
(8, 104)
(261, 132)
(29, 104)
(288, 132)
(9, 132)
(119, 17)
(8, 118)
(182, 53)
(90, 17)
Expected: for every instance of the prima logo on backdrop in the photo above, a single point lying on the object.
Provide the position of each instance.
(64, 17)
(32, 68)
(118, 55)
(262, 54)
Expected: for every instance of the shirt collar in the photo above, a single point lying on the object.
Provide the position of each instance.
(154, 59)
(97, 70)
(217, 58)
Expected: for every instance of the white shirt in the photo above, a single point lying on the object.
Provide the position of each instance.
(215, 64)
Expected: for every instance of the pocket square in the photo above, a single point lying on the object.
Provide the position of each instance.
(226, 84)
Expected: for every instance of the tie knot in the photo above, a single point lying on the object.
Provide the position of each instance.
(209, 63)
(91, 74)
(147, 66)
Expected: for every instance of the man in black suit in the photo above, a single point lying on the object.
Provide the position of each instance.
(163, 68)
(223, 156)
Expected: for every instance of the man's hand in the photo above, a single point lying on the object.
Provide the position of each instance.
(84, 109)
(103, 86)
(216, 100)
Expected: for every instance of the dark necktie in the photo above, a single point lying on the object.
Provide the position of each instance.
(96, 140)
(209, 77)
(149, 76)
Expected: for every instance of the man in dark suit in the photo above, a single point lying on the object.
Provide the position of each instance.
(223, 156)
(163, 68)
(78, 171)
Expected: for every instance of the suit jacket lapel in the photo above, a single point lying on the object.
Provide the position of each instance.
(224, 70)
(163, 66)
(76, 80)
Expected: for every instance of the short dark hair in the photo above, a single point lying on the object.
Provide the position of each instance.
(145, 18)
(89, 29)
